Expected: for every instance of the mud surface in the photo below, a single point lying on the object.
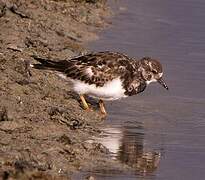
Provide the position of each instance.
(43, 128)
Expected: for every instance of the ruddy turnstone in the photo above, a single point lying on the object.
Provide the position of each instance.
(106, 75)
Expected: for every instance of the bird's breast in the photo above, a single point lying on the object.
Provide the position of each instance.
(135, 88)
(112, 90)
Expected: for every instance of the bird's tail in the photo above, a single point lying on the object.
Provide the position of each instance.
(46, 64)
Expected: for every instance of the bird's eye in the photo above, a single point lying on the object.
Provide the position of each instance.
(154, 71)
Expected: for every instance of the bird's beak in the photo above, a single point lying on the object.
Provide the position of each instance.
(161, 81)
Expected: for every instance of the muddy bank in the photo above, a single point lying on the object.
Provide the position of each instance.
(43, 128)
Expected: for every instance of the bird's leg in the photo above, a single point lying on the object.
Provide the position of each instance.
(102, 107)
(85, 105)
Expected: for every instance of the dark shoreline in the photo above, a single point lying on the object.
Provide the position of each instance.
(43, 128)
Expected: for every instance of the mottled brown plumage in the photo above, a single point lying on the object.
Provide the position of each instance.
(100, 69)
(103, 66)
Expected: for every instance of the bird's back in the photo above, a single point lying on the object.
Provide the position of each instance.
(99, 68)
(95, 68)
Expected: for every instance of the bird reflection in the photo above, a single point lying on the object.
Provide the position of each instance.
(127, 145)
(133, 153)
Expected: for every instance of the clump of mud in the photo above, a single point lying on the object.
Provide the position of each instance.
(43, 128)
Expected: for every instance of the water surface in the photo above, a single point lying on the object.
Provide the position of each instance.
(164, 130)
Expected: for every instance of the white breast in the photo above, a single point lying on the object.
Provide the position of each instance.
(110, 91)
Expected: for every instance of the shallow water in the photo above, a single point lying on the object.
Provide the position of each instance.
(159, 133)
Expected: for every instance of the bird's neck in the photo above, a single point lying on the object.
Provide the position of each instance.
(139, 68)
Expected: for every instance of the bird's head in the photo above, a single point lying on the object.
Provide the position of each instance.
(151, 71)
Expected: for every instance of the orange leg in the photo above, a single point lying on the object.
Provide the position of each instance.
(102, 107)
(85, 105)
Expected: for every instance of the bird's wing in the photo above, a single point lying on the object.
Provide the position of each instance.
(47, 64)
(99, 68)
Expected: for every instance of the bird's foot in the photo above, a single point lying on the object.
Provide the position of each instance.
(102, 108)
